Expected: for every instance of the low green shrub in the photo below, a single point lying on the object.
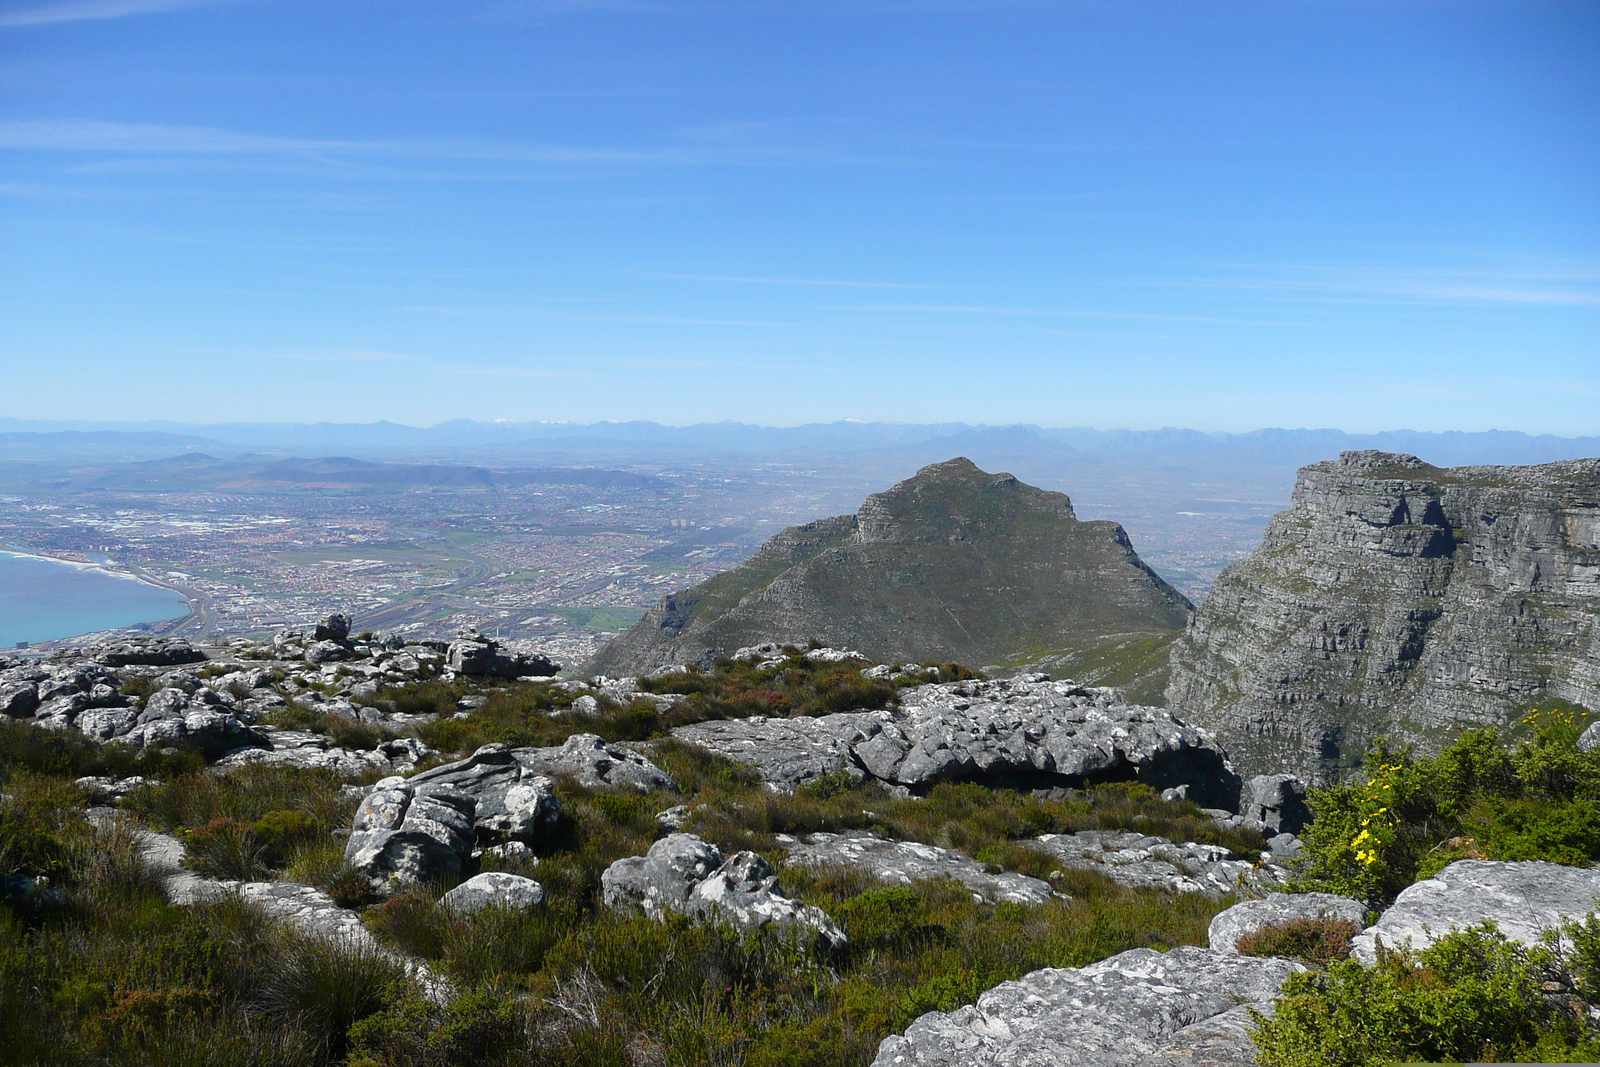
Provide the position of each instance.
(67, 754)
(325, 988)
(796, 686)
(1472, 996)
(247, 794)
(1410, 817)
(40, 823)
(476, 1028)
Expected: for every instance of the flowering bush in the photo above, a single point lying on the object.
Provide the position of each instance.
(1478, 799)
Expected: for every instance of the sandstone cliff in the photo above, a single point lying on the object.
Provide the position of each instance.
(1398, 598)
(953, 563)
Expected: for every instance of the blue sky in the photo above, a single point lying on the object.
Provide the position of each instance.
(1368, 215)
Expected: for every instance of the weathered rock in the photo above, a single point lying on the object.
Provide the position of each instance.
(787, 752)
(493, 889)
(1025, 728)
(1401, 599)
(658, 883)
(404, 835)
(597, 764)
(510, 800)
(1278, 802)
(744, 893)
(683, 874)
(299, 748)
(1136, 1008)
(19, 699)
(1588, 741)
(1274, 909)
(157, 653)
(168, 703)
(1521, 898)
(1137, 861)
(109, 792)
(951, 564)
(473, 653)
(106, 723)
(905, 862)
(335, 627)
(327, 652)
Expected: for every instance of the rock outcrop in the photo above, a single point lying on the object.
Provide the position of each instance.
(1134, 1009)
(684, 875)
(1397, 598)
(1523, 899)
(472, 653)
(1137, 861)
(951, 564)
(905, 862)
(1024, 729)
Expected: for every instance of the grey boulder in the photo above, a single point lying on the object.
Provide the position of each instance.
(1275, 909)
(511, 800)
(905, 862)
(493, 889)
(327, 652)
(312, 751)
(1589, 740)
(404, 835)
(334, 627)
(658, 883)
(19, 699)
(1130, 1010)
(685, 875)
(1278, 802)
(103, 724)
(1521, 898)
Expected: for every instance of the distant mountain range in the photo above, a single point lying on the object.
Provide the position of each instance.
(1269, 447)
(195, 471)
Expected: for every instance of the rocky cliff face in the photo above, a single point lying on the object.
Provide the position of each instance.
(1398, 598)
(952, 564)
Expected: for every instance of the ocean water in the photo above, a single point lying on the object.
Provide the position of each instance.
(43, 599)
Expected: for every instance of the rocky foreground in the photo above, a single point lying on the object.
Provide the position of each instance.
(480, 821)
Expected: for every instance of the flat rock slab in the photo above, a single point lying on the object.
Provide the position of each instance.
(306, 908)
(905, 862)
(301, 748)
(1136, 1008)
(1138, 861)
(1522, 899)
(1274, 909)
(1026, 726)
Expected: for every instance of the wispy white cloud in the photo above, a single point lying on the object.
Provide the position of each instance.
(94, 11)
(344, 355)
(745, 280)
(1555, 286)
(150, 139)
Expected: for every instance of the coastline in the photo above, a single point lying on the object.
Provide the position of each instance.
(193, 603)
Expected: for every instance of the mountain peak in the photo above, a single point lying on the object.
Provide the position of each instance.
(954, 563)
